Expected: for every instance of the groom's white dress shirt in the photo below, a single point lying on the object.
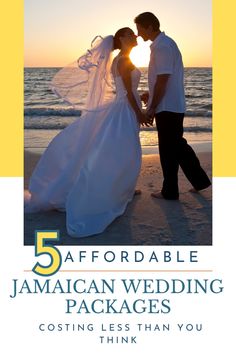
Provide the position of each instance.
(166, 58)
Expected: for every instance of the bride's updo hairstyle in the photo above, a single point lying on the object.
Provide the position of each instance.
(120, 33)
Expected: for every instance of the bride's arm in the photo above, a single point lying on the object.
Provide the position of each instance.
(125, 68)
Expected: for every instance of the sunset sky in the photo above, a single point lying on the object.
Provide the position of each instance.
(59, 31)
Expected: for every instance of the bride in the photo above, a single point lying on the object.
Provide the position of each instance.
(91, 168)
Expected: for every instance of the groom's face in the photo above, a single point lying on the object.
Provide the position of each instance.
(143, 32)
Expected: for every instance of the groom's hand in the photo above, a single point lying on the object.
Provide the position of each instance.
(151, 114)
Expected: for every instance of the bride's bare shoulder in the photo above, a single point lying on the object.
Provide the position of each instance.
(124, 63)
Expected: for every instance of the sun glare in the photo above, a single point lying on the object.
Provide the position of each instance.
(140, 55)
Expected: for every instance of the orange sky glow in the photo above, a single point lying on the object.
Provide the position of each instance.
(58, 31)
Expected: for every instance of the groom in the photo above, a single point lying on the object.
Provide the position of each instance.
(166, 102)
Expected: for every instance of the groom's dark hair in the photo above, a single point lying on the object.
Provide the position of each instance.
(147, 19)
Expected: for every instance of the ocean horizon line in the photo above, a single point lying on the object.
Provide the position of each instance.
(140, 67)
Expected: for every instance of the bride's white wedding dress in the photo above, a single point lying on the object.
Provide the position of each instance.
(90, 169)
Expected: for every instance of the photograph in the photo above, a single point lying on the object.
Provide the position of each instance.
(117, 176)
(118, 122)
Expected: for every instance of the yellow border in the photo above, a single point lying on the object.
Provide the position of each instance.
(224, 88)
(11, 74)
(224, 92)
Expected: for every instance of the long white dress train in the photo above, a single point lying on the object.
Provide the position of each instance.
(90, 169)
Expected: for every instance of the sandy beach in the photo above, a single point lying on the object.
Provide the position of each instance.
(147, 221)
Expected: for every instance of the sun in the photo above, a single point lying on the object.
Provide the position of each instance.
(140, 55)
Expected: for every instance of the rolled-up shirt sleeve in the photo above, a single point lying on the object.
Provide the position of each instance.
(163, 59)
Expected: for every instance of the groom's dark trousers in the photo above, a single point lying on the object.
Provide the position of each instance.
(174, 152)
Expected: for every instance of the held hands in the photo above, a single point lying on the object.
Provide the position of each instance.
(150, 112)
(144, 120)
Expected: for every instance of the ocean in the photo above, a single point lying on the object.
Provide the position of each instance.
(45, 115)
